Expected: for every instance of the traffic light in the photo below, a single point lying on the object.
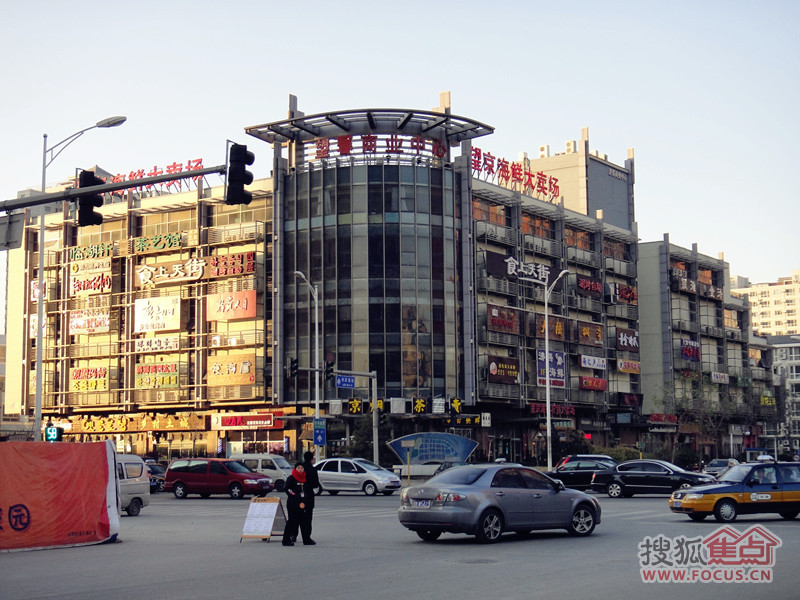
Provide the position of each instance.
(238, 175)
(88, 202)
(329, 374)
(292, 368)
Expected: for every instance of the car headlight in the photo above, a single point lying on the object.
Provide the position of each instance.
(693, 496)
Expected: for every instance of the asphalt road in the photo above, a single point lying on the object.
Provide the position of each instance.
(193, 549)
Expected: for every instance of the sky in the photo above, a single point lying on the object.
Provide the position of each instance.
(705, 92)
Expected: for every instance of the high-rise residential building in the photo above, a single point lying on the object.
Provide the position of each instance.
(786, 363)
(699, 384)
(775, 305)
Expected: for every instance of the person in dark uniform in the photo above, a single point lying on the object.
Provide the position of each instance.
(311, 485)
(296, 507)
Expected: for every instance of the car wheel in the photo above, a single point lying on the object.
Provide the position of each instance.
(370, 489)
(583, 521)
(236, 491)
(388, 492)
(429, 535)
(279, 485)
(490, 527)
(789, 514)
(179, 489)
(725, 511)
(697, 516)
(615, 490)
(134, 508)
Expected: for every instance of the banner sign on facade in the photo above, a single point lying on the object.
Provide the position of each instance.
(230, 306)
(690, 350)
(593, 362)
(89, 320)
(502, 319)
(90, 276)
(231, 369)
(557, 327)
(556, 365)
(503, 369)
(629, 366)
(88, 379)
(157, 344)
(627, 340)
(592, 383)
(590, 334)
(150, 376)
(162, 313)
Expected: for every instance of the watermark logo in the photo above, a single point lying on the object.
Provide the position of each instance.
(726, 555)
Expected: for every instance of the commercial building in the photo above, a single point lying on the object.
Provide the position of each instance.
(700, 384)
(774, 305)
(416, 261)
(786, 363)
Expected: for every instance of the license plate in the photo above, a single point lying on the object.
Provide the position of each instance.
(676, 503)
(422, 503)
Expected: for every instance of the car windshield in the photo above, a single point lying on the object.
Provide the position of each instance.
(369, 466)
(237, 467)
(718, 462)
(735, 474)
(282, 463)
(156, 469)
(458, 476)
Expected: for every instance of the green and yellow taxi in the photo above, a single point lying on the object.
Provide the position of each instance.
(750, 488)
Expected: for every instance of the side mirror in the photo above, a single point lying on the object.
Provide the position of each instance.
(560, 485)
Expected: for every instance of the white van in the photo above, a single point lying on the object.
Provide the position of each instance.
(133, 484)
(274, 465)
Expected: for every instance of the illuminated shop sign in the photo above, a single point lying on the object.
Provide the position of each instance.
(89, 320)
(157, 314)
(556, 365)
(231, 369)
(590, 334)
(556, 410)
(487, 166)
(690, 350)
(627, 340)
(502, 319)
(90, 276)
(589, 286)
(391, 144)
(229, 306)
(503, 369)
(139, 422)
(621, 293)
(629, 366)
(557, 327)
(157, 344)
(156, 376)
(195, 269)
(233, 421)
(592, 383)
(88, 379)
(91, 251)
(536, 271)
(593, 362)
(158, 243)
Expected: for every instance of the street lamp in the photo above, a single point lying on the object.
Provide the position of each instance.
(48, 156)
(313, 290)
(547, 291)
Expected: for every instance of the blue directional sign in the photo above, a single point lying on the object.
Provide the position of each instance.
(320, 436)
(345, 381)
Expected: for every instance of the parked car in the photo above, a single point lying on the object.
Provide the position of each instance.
(134, 487)
(577, 474)
(275, 466)
(206, 476)
(750, 488)
(571, 457)
(490, 499)
(645, 477)
(157, 474)
(449, 464)
(719, 465)
(355, 474)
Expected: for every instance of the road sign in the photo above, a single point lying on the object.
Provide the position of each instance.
(320, 437)
(345, 381)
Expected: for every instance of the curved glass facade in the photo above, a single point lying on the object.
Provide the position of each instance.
(389, 294)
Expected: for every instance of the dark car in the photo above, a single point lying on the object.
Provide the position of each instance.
(157, 474)
(577, 474)
(486, 500)
(647, 476)
(571, 457)
(206, 476)
(751, 488)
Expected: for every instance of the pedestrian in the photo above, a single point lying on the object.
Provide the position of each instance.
(296, 507)
(311, 486)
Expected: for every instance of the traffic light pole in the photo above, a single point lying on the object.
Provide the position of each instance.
(373, 375)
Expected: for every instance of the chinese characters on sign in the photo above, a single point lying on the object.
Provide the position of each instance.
(89, 320)
(157, 375)
(556, 366)
(231, 369)
(88, 379)
(157, 344)
(90, 276)
(503, 370)
(490, 167)
(502, 319)
(149, 276)
(690, 350)
(536, 271)
(231, 305)
(627, 340)
(157, 314)
(629, 366)
(347, 145)
(158, 243)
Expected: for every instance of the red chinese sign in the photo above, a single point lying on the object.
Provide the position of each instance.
(593, 383)
(490, 167)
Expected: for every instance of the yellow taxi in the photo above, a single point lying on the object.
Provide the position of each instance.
(750, 488)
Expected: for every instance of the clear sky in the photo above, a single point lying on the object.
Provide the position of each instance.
(705, 92)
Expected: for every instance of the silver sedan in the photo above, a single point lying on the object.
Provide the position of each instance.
(487, 500)
(354, 475)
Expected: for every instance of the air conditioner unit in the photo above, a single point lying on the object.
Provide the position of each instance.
(544, 151)
(572, 147)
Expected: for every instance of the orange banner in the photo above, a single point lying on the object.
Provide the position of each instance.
(57, 494)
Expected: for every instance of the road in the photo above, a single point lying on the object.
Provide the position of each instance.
(192, 549)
